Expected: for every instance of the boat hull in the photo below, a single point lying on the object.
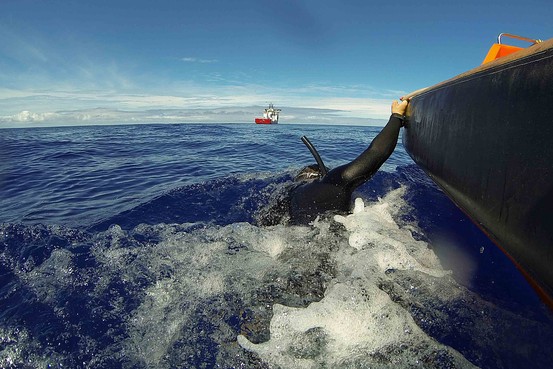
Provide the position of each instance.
(485, 137)
(264, 121)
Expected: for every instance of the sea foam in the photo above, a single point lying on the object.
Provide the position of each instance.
(356, 324)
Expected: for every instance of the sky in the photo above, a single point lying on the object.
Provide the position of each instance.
(77, 62)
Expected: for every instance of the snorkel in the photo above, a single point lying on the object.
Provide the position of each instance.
(315, 154)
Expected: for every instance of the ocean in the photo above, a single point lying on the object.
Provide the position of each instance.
(138, 246)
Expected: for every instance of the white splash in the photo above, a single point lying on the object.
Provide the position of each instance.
(374, 228)
(356, 322)
(349, 321)
(201, 269)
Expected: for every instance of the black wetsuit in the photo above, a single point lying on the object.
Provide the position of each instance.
(333, 191)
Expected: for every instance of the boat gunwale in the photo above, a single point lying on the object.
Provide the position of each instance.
(515, 59)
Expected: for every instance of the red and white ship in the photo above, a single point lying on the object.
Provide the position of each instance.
(270, 116)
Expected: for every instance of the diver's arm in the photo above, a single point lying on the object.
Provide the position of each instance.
(365, 165)
(380, 149)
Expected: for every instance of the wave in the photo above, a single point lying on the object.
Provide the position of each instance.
(221, 201)
(188, 280)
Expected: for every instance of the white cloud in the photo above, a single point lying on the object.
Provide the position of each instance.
(27, 116)
(23, 49)
(198, 60)
(218, 115)
(187, 101)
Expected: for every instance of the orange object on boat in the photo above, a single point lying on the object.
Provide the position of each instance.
(499, 50)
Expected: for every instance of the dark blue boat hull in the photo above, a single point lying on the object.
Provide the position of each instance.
(486, 138)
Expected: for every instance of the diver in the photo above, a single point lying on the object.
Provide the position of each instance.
(318, 190)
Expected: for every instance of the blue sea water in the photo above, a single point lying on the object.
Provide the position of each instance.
(137, 246)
